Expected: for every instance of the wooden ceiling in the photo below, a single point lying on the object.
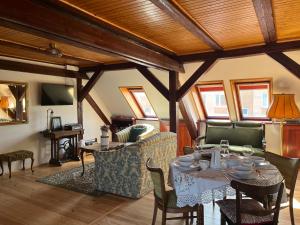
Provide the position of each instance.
(171, 27)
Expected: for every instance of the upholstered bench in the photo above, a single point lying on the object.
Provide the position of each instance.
(15, 156)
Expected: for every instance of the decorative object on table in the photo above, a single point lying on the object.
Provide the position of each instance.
(215, 161)
(249, 211)
(289, 169)
(56, 123)
(237, 133)
(72, 126)
(49, 119)
(283, 107)
(166, 200)
(104, 139)
(72, 180)
(15, 156)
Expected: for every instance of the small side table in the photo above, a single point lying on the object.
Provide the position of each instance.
(98, 147)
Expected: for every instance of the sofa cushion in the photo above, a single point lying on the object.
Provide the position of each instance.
(215, 134)
(135, 132)
(246, 136)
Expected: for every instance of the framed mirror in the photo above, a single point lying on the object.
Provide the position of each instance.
(13, 103)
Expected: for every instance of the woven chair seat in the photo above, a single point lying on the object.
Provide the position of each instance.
(228, 207)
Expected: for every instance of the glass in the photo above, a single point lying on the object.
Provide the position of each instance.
(254, 99)
(144, 103)
(248, 151)
(224, 144)
(214, 100)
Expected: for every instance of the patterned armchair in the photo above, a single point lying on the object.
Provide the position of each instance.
(123, 172)
(123, 135)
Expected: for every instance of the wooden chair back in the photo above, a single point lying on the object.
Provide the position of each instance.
(288, 168)
(158, 180)
(266, 192)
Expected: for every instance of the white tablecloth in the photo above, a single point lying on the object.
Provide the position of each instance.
(201, 187)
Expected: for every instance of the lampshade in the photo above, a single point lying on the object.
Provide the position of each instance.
(4, 104)
(283, 106)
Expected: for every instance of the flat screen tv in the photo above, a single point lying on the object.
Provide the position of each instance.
(57, 94)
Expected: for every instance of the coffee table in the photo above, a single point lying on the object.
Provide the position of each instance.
(97, 147)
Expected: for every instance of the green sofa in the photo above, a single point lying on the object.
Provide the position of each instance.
(237, 133)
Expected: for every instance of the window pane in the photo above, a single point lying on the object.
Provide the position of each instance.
(144, 103)
(214, 101)
(254, 99)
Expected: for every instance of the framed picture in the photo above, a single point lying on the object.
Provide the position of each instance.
(56, 123)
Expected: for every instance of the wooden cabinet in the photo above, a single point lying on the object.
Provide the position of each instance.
(291, 140)
(183, 137)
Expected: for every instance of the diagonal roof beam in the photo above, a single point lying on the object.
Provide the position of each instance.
(287, 62)
(196, 75)
(232, 53)
(264, 12)
(184, 19)
(154, 81)
(90, 84)
(32, 16)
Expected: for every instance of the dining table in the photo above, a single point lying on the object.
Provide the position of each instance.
(194, 185)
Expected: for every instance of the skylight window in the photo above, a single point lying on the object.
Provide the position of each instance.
(213, 100)
(252, 98)
(138, 101)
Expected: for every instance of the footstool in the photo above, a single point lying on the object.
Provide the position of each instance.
(15, 156)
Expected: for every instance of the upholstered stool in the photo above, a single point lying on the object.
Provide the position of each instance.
(15, 156)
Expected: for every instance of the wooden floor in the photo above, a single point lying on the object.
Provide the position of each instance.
(23, 201)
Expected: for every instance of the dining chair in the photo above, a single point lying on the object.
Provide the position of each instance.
(166, 200)
(241, 211)
(288, 168)
(187, 150)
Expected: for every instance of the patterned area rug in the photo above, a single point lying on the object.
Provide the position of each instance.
(72, 180)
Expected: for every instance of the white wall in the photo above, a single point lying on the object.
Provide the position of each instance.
(27, 136)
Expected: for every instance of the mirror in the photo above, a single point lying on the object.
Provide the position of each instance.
(13, 103)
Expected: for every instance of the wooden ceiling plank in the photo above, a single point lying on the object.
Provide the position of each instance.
(154, 81)
(264, 12)
(287, 62)
(39, 69)
(232, 53)
(90, 84)
(34, 16)
(181, 17)
(203, 68)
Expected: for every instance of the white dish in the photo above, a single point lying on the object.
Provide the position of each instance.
(233, 162)
(242, 168)
(263, 164)
(185, 164)
(251, 176)
(186, 158)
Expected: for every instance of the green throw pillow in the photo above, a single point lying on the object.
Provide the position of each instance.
(135, 132)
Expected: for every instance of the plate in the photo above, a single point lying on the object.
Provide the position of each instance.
(186, 158)
(251, 176)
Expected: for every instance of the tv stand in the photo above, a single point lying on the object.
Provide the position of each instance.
(55, 136)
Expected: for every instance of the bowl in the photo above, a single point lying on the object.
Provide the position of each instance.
(242, 168)
(185, 163)
(204, 164)
(186, 158)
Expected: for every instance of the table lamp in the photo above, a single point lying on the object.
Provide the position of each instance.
(283, 107)
(4, 103)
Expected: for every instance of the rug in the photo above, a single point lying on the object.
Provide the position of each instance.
(72, 180)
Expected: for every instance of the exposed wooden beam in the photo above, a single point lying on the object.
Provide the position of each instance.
(33, 17)
(90, 84)
(269, 48)
(180, 16)
(188, 119)
(97, 109)
(196, 75)
(264, 12)
(173, 105)
(154, 81)
(117, 30)
(287, 62)
(39, 69)
(79, 104)
(110, 67)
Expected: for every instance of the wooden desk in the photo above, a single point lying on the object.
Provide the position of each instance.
(97, 147)
(55, 136)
